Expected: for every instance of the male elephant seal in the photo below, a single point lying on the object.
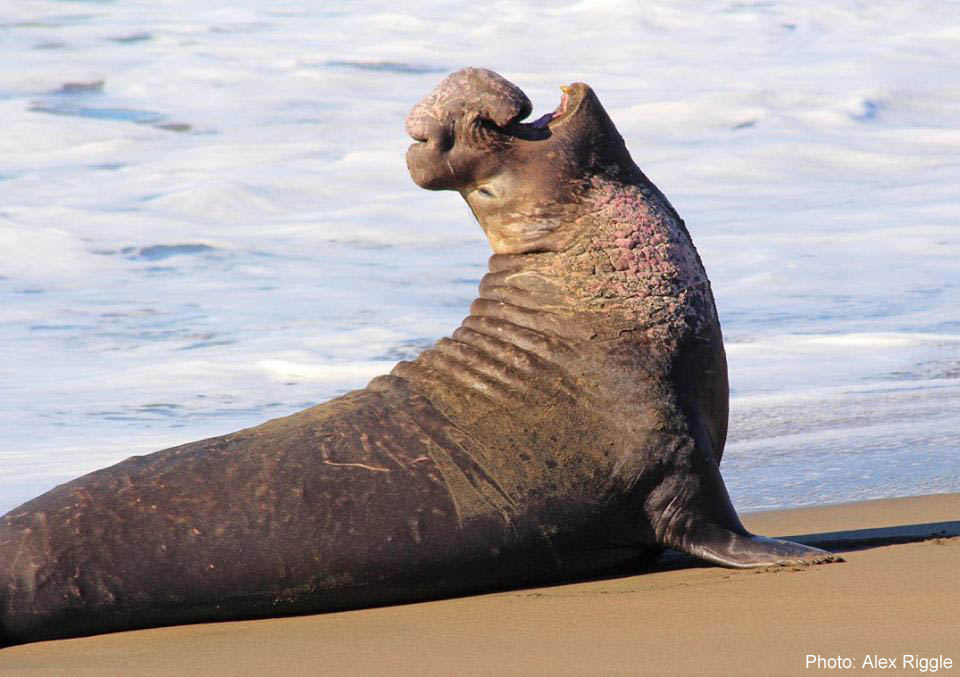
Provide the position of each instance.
(571, 426)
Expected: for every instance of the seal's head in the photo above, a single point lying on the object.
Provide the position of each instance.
(520, 179)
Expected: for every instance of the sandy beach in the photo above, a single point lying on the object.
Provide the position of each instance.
(895, 595)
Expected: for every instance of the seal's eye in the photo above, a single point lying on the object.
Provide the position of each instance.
(486, 192)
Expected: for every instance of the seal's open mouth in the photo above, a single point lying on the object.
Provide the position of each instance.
(562, 110)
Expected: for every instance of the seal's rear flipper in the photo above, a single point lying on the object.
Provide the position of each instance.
(726, 548)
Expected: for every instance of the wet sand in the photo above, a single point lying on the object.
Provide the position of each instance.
(897, 593)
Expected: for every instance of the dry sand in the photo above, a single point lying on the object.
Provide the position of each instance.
(898, 593)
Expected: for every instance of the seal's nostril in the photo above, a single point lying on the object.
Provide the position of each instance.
(444, 140)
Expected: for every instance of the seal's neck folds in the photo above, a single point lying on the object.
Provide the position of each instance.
(546, 321)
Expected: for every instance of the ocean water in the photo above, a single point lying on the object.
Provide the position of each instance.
(206, 221)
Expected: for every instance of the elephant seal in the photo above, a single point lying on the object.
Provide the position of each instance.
(571, 426)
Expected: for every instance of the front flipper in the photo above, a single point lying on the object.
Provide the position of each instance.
(700, 520)
(743, 551)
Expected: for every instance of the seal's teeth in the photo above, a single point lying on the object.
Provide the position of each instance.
(564, 100)
(544, 120)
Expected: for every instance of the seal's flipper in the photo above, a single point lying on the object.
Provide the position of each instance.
(726, 548)
(702, 521)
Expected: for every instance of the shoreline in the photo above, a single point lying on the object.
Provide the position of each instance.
(895, 596)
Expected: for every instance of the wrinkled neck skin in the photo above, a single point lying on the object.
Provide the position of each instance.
(625, 266)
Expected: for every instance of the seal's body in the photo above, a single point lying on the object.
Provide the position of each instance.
(573, 425)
